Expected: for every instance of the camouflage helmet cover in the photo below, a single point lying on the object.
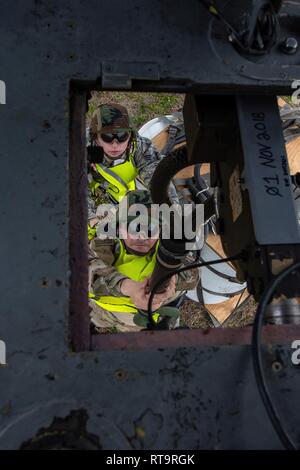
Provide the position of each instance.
(117, 215)
(110, 117)
(141, 197)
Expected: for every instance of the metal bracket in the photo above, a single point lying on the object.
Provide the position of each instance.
(119, 75)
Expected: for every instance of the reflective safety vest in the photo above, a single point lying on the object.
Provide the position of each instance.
(119, 179)
(91, 232)
(93, 186)
(134, 267)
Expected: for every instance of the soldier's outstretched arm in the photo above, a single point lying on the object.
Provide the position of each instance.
(91, 206)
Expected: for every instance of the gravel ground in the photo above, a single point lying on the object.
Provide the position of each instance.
(194, 315)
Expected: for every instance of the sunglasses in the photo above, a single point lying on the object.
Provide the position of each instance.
(110, 137)
(149, 230)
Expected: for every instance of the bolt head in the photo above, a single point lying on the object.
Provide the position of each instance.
(289, 45)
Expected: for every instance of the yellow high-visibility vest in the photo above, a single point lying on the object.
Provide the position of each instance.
(134, 267)
(119, 179)
(91, 232)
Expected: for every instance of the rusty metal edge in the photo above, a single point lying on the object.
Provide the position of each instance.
(184, 338)
(79, 322)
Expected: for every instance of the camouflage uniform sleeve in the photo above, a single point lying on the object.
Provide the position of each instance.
(187, 280)
(95, 198)
(91, 206)
(104, 277)
(90, 199)
(146, 160)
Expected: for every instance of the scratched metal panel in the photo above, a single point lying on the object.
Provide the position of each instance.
(183, 398)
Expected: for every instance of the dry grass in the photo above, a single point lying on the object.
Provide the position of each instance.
(141, 106)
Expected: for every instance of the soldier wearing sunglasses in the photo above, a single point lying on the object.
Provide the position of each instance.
(121, 156)
(120, 270)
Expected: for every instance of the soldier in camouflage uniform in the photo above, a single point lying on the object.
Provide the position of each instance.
(120, 270)
(125, 156)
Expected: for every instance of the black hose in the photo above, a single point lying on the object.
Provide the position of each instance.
(164, 172)
(256, 339)
(257, 358)
(151, 323)
(200, 181)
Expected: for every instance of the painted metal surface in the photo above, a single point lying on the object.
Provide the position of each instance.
(185, 397)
